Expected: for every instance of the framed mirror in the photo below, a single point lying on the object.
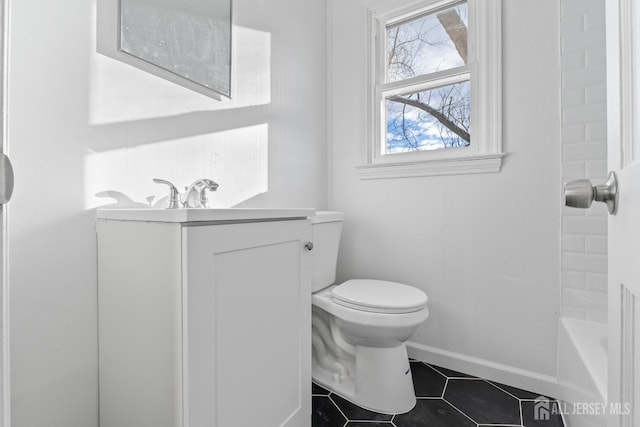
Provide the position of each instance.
(190, 39)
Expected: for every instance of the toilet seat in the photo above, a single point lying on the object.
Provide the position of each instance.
(379, 296)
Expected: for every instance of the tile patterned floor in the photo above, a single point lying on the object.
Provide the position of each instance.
(445, 399)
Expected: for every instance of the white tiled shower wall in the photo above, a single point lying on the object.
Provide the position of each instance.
(584, 154)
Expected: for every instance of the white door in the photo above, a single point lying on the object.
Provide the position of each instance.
(623, 86)
(6, 188)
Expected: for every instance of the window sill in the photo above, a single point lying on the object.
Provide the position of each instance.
(486, 163)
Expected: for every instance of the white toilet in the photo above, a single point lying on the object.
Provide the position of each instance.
(360, 328)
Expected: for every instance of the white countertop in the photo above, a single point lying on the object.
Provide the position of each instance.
(203, 215)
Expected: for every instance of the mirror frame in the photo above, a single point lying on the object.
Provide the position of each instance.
(108, 44)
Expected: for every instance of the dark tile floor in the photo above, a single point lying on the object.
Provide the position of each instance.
(445, 399)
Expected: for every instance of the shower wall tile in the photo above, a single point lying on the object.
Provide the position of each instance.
(598, 209)
(574, 60)
(573, 242)
(571, 24)
(580, 41)
(581, 78)
(584, 155)
(584, 262)
(573, 170)
(596, 244)
(574, 133)
(596, 282)
(574, 312)
(587, 150)
(596, 168)
(596, 316)
(592, 301)
(596, 94)
(574, 279)
(581, 113)
(574, 97)
(587, 226)
(594, 19)
(595, 57)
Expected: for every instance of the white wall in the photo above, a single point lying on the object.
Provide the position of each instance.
(485, 248)
(81, 124)
(584, 155)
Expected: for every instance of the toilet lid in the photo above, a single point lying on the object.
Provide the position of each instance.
(379, 296)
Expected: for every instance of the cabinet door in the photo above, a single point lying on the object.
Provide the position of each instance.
(247, 326)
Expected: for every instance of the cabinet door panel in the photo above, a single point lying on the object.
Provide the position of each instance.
(248, 325)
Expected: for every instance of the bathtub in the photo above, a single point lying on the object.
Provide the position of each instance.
(582, 369)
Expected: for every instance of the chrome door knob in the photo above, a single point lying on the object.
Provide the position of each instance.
(6, 179)
(580, 193)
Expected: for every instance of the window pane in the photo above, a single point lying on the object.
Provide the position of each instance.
(429, 43)
(429, 120)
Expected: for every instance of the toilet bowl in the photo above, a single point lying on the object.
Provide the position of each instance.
(359, 329)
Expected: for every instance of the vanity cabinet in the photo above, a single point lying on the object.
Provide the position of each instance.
(204, 324)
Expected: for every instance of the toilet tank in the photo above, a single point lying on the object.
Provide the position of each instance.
(326, 228)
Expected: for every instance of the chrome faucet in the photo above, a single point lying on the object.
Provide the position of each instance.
(197, 191)
(210, 186)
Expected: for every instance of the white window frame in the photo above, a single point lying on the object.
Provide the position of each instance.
(484, 67)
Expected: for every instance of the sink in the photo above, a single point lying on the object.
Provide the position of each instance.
(203, 215)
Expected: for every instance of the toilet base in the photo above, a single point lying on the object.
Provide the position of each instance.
(379, 379)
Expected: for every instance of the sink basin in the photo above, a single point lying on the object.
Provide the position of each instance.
(203, 215)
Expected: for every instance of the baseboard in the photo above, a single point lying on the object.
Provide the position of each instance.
(539, 383)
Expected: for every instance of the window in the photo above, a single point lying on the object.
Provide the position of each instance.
(433, 94)
(427, 82)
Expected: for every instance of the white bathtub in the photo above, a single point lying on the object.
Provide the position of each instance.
(582, 368)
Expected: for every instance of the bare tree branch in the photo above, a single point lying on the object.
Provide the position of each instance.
(435, 113)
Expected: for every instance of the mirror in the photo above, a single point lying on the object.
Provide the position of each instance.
(188, 38)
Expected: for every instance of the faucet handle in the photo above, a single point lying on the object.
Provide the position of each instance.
(174, 195)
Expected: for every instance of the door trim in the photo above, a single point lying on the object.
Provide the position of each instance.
(5, 379)
(627, 346)
(626, 81)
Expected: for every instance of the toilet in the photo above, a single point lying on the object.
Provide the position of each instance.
(360, 327)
